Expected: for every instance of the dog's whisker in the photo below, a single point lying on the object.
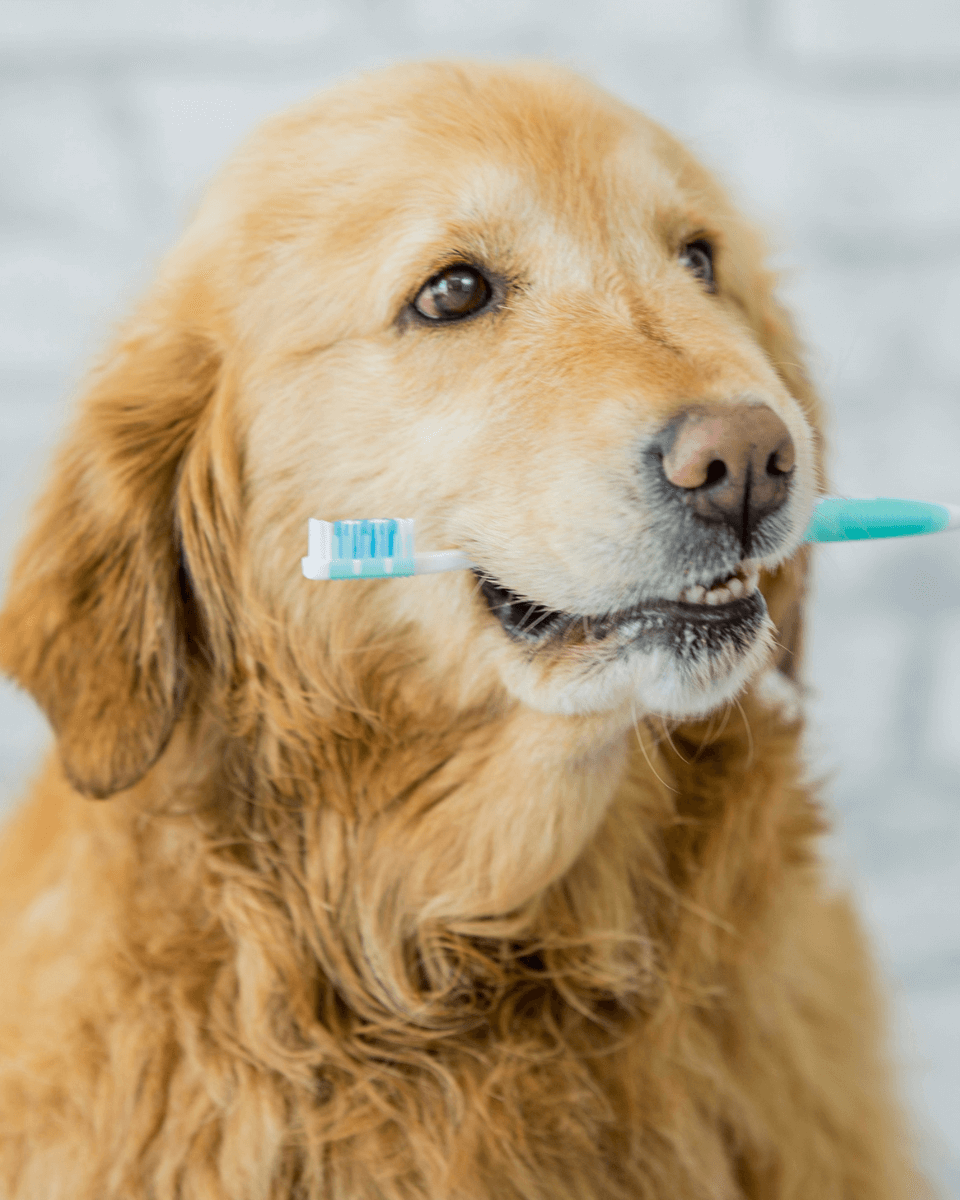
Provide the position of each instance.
(749, 733)
(656, 774)
(669, 739)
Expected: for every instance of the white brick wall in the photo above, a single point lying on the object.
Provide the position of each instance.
(837, 121)
(44, 25)
(880, 33)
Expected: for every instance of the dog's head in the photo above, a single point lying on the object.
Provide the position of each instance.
(491, 299)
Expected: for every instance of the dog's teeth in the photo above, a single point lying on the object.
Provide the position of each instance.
(733, 589)
(720, 594)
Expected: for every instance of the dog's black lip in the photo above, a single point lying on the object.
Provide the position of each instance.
(521, 619)
(527, 621)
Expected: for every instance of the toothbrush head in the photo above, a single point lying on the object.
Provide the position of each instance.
(378, 549)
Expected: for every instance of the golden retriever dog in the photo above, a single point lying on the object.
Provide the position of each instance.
(499, 884)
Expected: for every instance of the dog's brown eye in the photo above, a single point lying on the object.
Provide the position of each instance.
(455, 292)
(697, 257)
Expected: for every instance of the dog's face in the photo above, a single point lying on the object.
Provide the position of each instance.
(504, 293)
(491, 299)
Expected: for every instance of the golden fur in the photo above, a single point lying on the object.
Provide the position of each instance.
(384, 906)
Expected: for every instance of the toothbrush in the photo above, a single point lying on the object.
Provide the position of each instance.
(382, 549)
(372, 550)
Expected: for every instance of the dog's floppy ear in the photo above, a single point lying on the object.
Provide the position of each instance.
(93, 624)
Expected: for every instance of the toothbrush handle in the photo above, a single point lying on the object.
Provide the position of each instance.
(434, 561)
(836, 519)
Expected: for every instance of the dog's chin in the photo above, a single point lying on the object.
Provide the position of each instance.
(652, 681)
(669, 658)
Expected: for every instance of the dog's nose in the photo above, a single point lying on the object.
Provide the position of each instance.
(729, 463)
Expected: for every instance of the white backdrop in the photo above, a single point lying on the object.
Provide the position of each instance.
(837, 122)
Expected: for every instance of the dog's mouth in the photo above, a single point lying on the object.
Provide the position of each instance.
(730, 610)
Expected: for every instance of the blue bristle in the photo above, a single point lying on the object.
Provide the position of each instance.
(345, 538)
(365, 539)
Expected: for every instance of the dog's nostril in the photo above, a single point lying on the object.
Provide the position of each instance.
(780, 461)
(715, 472)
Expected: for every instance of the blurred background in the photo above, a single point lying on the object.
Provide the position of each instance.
(835, 122)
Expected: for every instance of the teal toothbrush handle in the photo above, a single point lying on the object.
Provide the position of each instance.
(836, 519)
